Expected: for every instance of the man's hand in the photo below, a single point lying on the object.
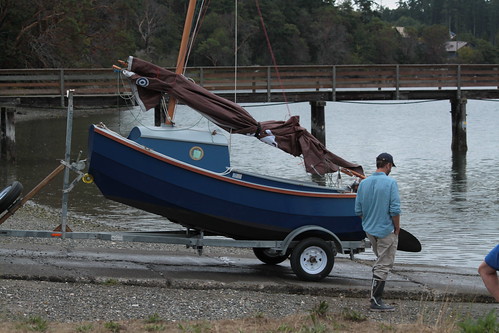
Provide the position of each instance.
(396, 224)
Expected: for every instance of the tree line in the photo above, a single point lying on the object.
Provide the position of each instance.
(95, 33)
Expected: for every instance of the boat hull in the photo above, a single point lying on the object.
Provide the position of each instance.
(233, 204)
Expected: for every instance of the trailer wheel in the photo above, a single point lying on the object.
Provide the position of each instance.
(312, 259)
(269, 256)
(9, 195)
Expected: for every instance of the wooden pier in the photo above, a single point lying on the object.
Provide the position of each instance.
(103, 88)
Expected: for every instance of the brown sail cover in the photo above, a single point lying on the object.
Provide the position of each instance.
(149, 81)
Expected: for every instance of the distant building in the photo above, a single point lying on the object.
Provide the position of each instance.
(401, 31)
(453, 46)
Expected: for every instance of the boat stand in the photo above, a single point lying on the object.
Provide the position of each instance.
(65, 166)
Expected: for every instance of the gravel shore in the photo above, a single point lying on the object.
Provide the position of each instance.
(114, 301)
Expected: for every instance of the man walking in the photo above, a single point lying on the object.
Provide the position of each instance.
(378, 205)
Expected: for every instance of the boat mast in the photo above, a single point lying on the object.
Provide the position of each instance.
(181, 56)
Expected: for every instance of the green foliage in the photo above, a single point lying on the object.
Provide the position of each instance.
(154, 323)
(112, 326)
(317, 313)
(387, 328)
(320, 310)
(487, 324)
(110, 282)
(154, 327)
(259, 315)
(95, 33)
(36, 323)
(153, 319)
(352, 315)
(195, 328)
(433, 38)
(284, 328)
(317, 326)
(84, 328)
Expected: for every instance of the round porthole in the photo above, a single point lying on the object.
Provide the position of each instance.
(196, 153)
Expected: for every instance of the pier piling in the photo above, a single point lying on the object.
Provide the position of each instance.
(7, 134)
(458, 115)
(318, 127)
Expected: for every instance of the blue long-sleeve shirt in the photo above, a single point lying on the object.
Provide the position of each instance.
(377, 201)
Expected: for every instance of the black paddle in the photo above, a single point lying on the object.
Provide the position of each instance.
(408, 242)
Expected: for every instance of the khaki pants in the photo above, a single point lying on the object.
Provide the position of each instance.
(384, 249)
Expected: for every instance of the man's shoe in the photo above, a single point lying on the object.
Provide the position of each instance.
(378, 305)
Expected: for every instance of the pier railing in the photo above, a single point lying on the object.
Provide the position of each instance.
(103, 81)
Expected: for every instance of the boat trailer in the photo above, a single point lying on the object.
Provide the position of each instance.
(311, 249)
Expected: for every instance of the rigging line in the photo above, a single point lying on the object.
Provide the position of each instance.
(127, 99)
(235, 50)
(129, 106)
(199, 21)
(229, 146)
(118, 77)
(387, 103)
(485, 100)
(269, 104)
(272, 55)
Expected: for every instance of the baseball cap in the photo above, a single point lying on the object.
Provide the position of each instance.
(385, 157)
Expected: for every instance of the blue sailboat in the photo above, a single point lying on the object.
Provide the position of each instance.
(188, 182)
(185, 175)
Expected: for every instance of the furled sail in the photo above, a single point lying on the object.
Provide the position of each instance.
(149, 81)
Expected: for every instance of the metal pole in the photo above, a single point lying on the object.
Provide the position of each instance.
(67, 157)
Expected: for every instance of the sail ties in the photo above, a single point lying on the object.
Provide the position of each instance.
(267, 137)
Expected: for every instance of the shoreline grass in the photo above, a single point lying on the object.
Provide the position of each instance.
(318, 320)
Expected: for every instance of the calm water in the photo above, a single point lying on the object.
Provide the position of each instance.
(451, 203)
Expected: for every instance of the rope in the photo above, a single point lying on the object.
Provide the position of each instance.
(274, 62)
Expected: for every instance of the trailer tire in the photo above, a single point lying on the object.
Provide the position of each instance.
(9, 195)
(269, 256)
(312, 259)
